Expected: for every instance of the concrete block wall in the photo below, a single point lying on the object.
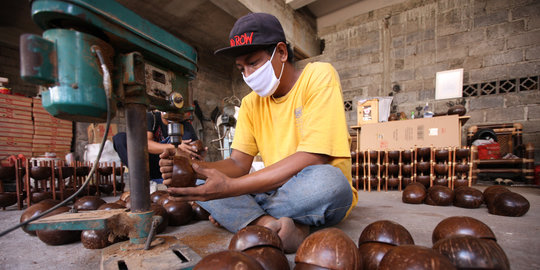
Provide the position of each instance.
(406, 44)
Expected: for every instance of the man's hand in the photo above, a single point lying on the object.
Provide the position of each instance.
(166, 164)
(217, 186)
(190, 150)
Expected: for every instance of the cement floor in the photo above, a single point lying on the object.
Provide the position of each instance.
(518, 236)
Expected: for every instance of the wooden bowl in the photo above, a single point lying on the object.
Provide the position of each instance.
(468, 197)
(393, 156)
(423, 179)
(88, 203)
(423, 167)
(509, 204)
(40, 173)
(180, 213)
(440, 181)
(269, 257)
(440, 196)
(440, 169)
(182, 174)
(330, 248)
(58, 237)
(228, 260)
(461, 225)
(414, 257)
(386, 231)
(469, 252)
(371, 254)
(255, 236)
(406, 156)
(424, 153)
(441, 155)
(462, 153)
(414, 193)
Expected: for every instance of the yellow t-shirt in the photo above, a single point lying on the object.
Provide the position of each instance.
(310, 118)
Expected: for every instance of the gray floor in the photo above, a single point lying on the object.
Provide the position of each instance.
(518, 236)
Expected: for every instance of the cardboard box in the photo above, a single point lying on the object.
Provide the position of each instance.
(368, 112)
(96, 132)
(442, 131)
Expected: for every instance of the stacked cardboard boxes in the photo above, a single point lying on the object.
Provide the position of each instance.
(16, 125)
(51, 134)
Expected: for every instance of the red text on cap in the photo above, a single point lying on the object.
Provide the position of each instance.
(242, 39)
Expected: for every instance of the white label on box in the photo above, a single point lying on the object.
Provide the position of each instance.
(433, 132)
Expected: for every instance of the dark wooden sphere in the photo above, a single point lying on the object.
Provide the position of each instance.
(106, 188)
(469, 252)
(165, 199)
(330, 248)
(461, 225)
(462, 153)
(492, 191)
(386, 231)
(441, 181)
(414, 257)
(156, 195)
(159, 210)
(462, 168)
(180, 213)
(406, 156)
(457, 109)
(182, 174)
(8, 198)
(118, 170)
(393, 156)
(40, 196)
(270, 258)
(373, 156)
(414, 193)
(468, 197)
(228, 260)
(255, 236)
(110, 206)
(66, 171)
(405, 181)
(7, 172)
(461, 182)
(105, 171)
(353, 155)
(423, 179)
(120, 202)
(393, 182)
(371, 254)
(120, 186)
(200, 213)
(439, 196)
(440, 168)
(406, 169)
(423, 167)
(509, 204)
(95, 239)
(125, 196)
(82, 171)
(40, 173)
(57, 237)
(87, 203)
(424, 153)
(441, 154)
(374, 168)
(373, 182)
(307, 266)
(199, 147)
(35, 210)
(393, 169)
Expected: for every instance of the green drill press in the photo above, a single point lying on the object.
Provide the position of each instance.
(93, 53)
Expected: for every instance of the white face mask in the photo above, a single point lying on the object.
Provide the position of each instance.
(263, 81)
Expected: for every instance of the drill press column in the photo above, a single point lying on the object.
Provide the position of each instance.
(137, 147)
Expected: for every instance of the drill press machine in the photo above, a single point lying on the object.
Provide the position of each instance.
(93, 53)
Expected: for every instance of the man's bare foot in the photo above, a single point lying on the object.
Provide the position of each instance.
(292, 234)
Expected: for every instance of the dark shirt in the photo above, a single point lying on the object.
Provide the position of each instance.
(159, 129)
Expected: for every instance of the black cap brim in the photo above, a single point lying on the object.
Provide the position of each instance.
(240, 50)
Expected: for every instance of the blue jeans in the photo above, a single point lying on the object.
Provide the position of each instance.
(319, 195)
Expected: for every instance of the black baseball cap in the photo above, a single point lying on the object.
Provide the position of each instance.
(253, 32)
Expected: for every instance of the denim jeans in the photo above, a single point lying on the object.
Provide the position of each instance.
(319, 195)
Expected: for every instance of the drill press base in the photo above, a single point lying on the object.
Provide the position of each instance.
(166, 252)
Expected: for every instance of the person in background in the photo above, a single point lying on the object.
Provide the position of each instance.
(295, 120)
(158, 141)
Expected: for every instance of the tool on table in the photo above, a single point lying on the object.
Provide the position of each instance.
(93, 58)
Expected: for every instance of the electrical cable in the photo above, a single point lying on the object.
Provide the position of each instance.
(107, 85)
